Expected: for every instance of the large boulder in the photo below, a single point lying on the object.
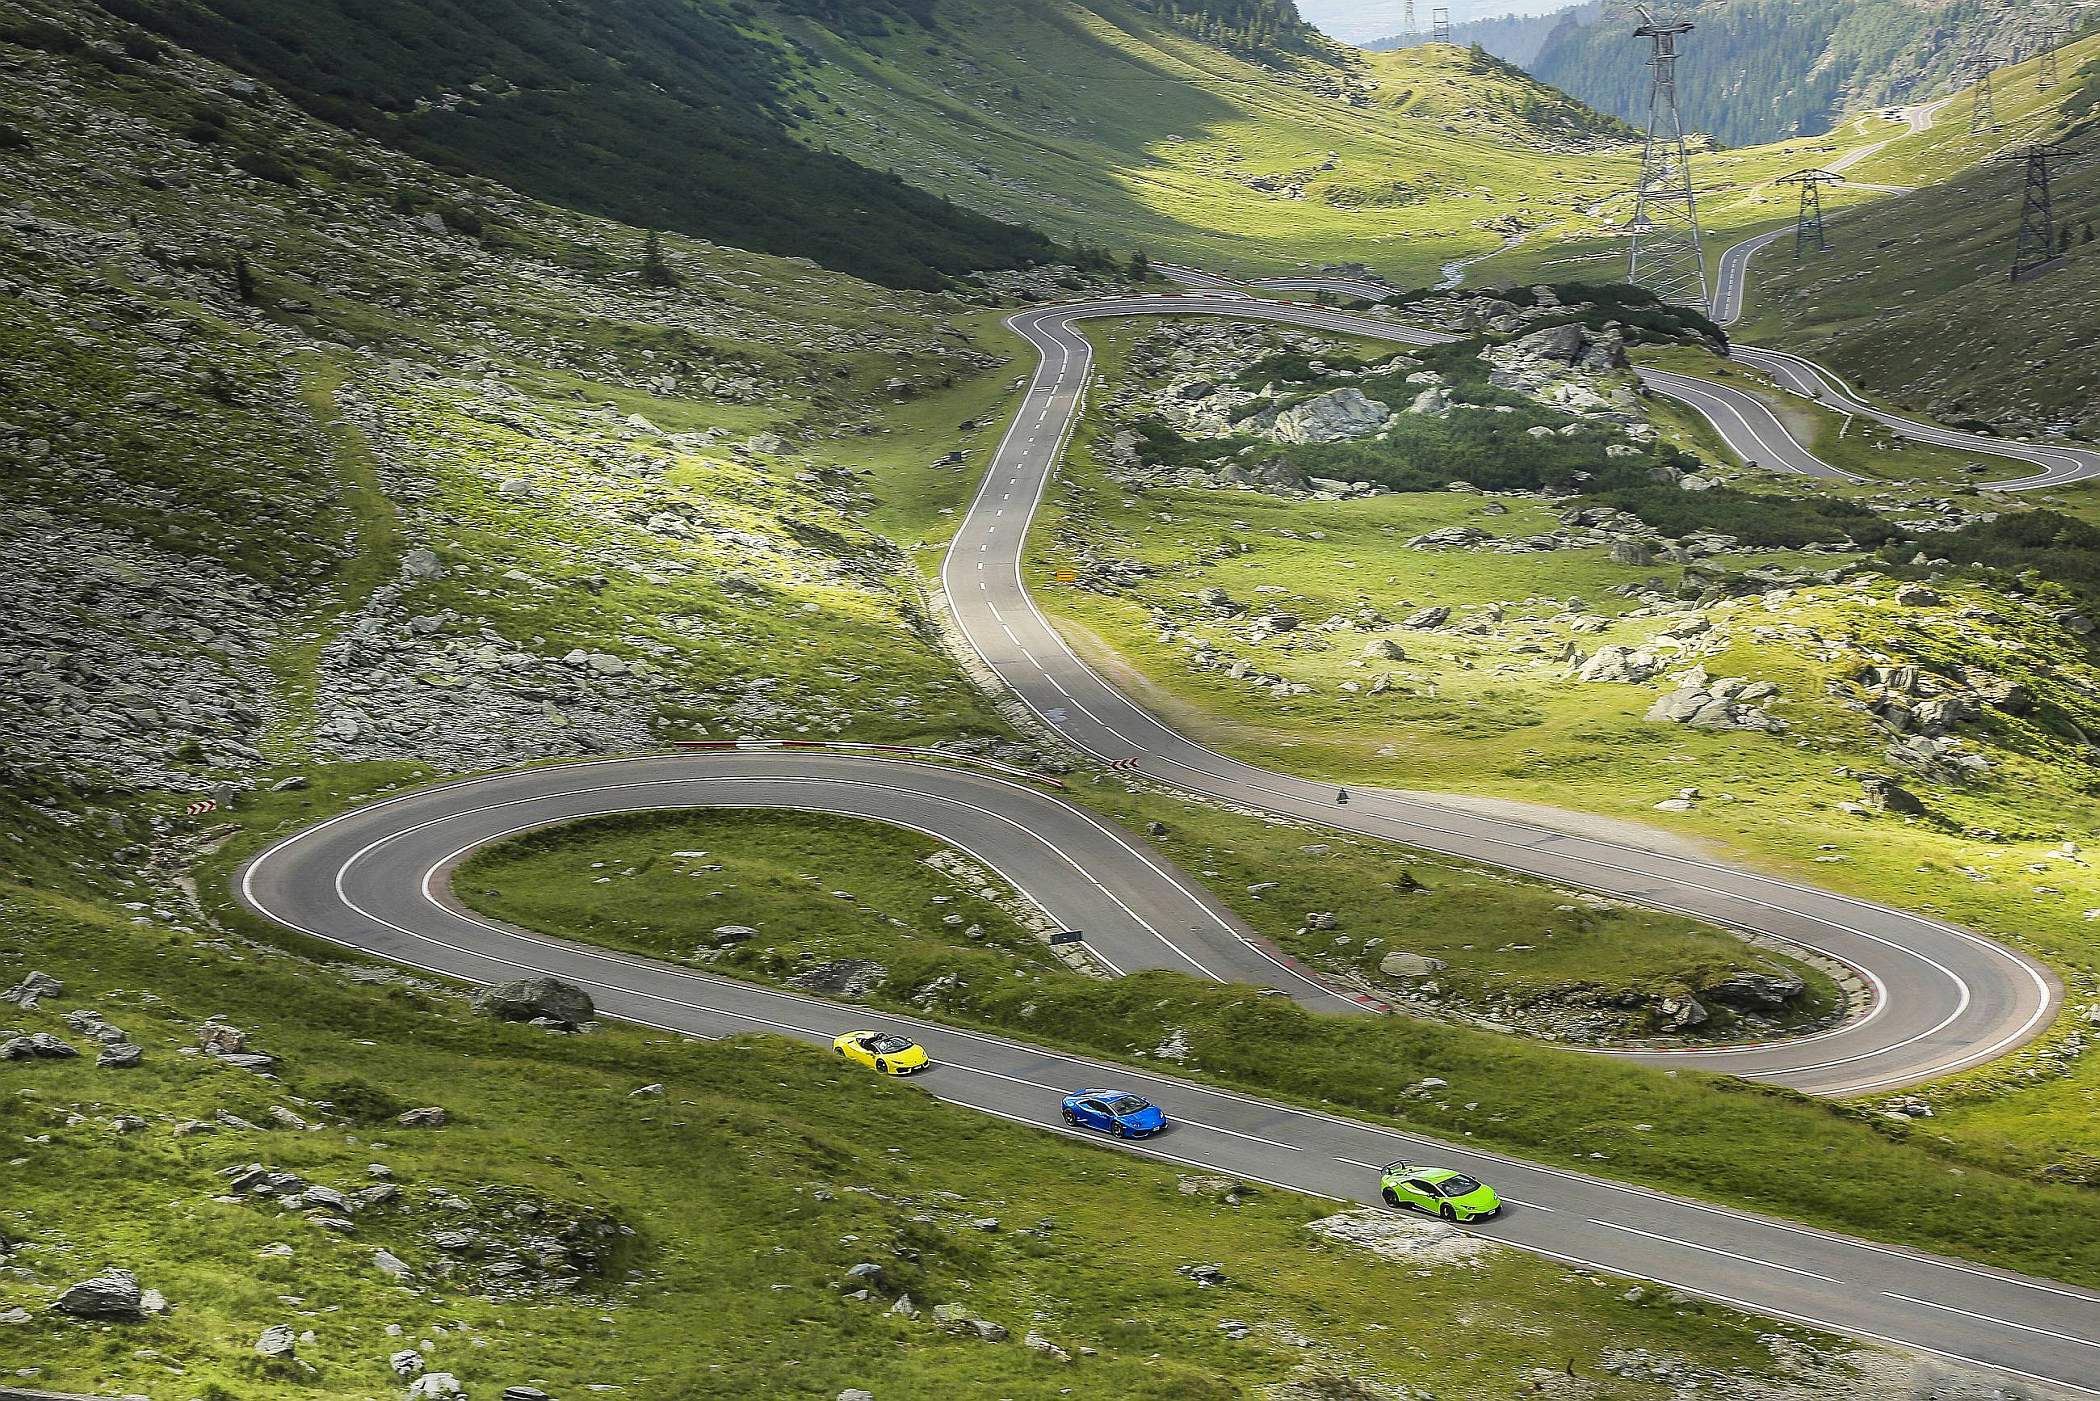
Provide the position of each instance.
(1619, 664)
(1273, 475)
(111, 1294)
(1756, 992)
(35, 986)
(1890, 796)
(1400, 964)
(536, 999)
(1336, 416)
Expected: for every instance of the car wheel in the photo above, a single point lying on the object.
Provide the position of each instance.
(1392, 1198)
(1447, 1212)
(1071, 1118)
(883, 1066)
(1122, 1131)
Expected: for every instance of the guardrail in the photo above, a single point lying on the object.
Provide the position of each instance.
(691, 746)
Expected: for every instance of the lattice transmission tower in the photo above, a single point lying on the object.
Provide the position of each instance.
(1808, 224)
(2045, 75)
(2040, 247)
(1668, 255)
(1407, 17)
(1983, 111)
(1440, 25)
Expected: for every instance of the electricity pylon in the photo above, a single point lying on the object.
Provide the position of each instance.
(1440, 25)
(1668, 255)
(1407, 14)
(2045, 75)
(1983, 112)
(1808, 225)
(2038, 250)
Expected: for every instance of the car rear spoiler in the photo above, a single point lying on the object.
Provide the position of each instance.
(1401, 1166)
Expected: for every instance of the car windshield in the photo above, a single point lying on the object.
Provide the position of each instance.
(1457, 1186)
(884, 1044)
(1123, 1105)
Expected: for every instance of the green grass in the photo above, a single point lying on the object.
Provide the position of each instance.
(374, 531)
(1517, 951)
(814, 887)
(1912, 303)
(1711, 1136)
(1471, 714)
(761, 1174)
(1093, 122)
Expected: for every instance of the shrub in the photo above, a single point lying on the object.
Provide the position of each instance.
(360, 1100)
(268, 165)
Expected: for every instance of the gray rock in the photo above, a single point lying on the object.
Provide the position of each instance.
(33, 988)
(1918, 596)
(38, 1045)
(391, 1265)
(111, 1294)
(841, 977)
(1423, 619)
(406, 1363)
(1336, 416)
(1757, 992)
(725, 934)
(421, 563)
(1384, 649)
(534, 999)
(428, 1117)
(1400, 964)
(278, 1343)
(1682, 1013)
(1625, 665)
(1631, 552)
(1273, 475)
(1890, 796)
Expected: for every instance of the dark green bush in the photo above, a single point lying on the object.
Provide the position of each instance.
(268, 165)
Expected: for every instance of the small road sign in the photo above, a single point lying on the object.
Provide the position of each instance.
(1128, 765)
(1064, 576)
(201, 806)
(1067, 936)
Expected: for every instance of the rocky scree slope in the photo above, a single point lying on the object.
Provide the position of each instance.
(320, 452)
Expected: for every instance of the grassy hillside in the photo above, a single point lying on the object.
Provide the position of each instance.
(659, 113)
(1736, 582)
(1913, 301)
(334, 472)
(1091, 121)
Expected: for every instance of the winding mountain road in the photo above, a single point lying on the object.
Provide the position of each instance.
(1748, 424)
(376, 879)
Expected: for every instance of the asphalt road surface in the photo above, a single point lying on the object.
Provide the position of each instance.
(375, 879)
(1746, 422)
(2058, 466)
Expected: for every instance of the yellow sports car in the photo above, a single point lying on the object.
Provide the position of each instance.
(884, 1051)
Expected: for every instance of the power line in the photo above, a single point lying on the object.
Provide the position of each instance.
(1668, 255)
(1808, 224)
(1983, 111)
(2039, 248)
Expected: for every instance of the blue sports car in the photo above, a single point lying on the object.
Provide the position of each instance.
(1114, 1111)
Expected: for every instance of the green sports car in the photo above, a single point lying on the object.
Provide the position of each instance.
(1439, 1191)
